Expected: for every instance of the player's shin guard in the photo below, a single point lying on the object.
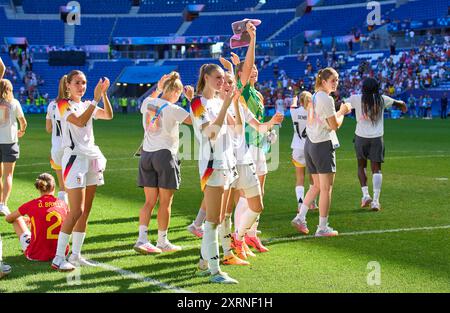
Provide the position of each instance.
(210, 246)
(247, 220)
(241, 208)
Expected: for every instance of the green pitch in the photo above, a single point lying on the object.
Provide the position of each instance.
(415, 195)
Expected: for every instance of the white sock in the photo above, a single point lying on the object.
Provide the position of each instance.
(62, 195)
(247, 220)
(300, 192)
(77, 243)
(225, 235)
(252, 231)
(201, 215)
(25, 239)
(303, 210)
(63, 241)
(323, 222)
(365, 191)
(241, 207)
(143, 234)
(210, 246)
(377, 179)
(162, 237)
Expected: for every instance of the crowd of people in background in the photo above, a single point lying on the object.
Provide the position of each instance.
(416, 69)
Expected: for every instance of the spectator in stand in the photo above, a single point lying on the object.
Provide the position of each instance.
(412, 106)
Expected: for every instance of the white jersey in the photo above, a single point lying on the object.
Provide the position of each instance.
(317, 126)
(217, 154)
(78, 140)
(161, 120)
(364, 126)
(9, 113)
(241, 148)
(56, 125)
(299, 118)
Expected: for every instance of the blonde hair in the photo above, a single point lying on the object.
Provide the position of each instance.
(6, 90)
(206, 69)
(63, 92)
(173, 83)
(45, 183)
(324, 75)
(231, 76)
(305, 98)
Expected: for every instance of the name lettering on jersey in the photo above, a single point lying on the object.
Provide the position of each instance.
(46, 204)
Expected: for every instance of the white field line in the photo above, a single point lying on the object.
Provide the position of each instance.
(272, 240)
(195, 166)
(132, 275)
(154, 282)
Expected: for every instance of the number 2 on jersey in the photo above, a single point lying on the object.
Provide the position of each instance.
(58, 222)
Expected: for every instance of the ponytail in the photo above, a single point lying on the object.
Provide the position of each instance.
(63, 93)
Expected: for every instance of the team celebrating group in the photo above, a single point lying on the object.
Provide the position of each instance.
(227, 115)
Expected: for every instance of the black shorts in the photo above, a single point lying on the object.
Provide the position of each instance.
(369, 148)
(320, 157)
(159, 169)
(9, 152)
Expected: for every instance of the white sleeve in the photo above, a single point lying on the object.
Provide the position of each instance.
(144, 105)
(19, 112)
(199, 113)
(350, 100)
(327, 106)
(50, 108)
(388, 101)
(178, 113)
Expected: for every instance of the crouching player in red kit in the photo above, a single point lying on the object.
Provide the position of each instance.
(46, 215)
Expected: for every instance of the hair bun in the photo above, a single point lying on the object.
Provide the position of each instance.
(174, 76)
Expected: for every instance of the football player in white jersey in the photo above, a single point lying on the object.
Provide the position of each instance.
(82, 164)
(369, 144)
(217, 164)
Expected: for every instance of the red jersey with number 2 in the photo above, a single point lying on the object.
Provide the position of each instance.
(46, 213)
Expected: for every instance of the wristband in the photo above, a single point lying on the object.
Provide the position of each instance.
(94, 103)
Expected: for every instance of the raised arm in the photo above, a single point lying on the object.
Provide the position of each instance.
(81, 120)
(107, 112)
(250, 56)
(227, 65)
(159, 87)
